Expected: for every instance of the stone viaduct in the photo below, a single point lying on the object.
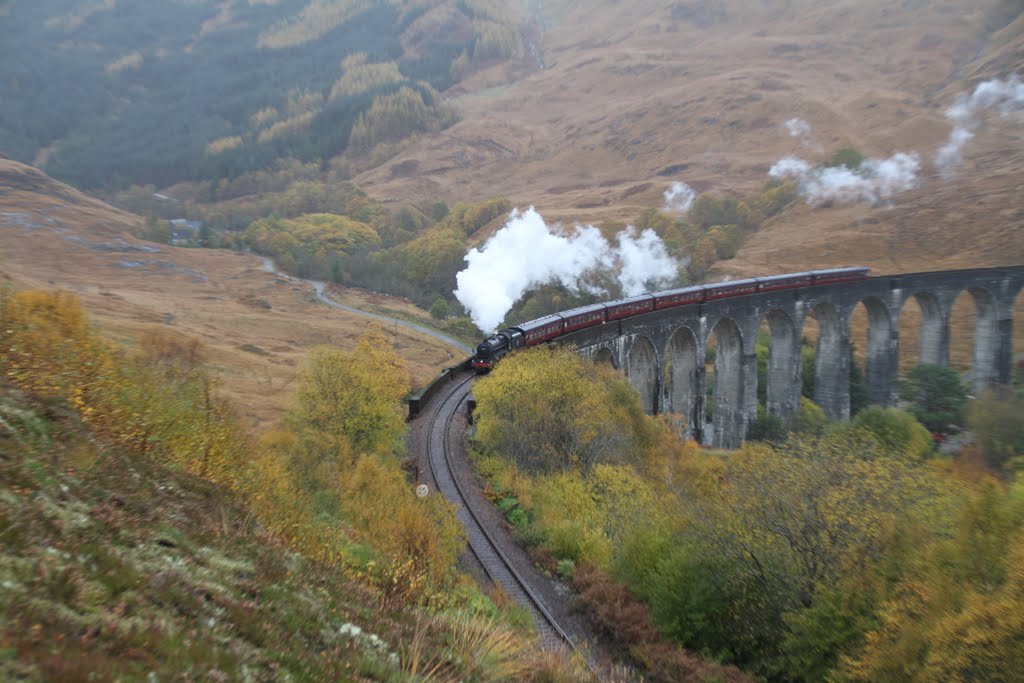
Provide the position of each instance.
(662, 352)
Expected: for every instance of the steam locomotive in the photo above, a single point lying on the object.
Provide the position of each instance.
(538, 331)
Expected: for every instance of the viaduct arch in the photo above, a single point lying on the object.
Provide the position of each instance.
(663, 352)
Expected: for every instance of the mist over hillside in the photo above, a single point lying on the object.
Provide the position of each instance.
(108, 94)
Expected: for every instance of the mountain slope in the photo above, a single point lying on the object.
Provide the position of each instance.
(635, 95)
(255, 327)
(106, 94)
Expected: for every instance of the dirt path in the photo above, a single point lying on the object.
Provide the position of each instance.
(320, 289)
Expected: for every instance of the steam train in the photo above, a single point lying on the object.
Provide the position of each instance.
(538, 331)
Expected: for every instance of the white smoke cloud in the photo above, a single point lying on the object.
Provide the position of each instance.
(642, 259)
(874, 181)
(526, 253)
(790, 167)
(801, 130)
(1006, 96)
(798, 128)
(679, 198)
(951, 153)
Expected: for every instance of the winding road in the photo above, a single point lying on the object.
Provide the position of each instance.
(319, 288)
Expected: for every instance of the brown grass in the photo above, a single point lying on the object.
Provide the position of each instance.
(631, 89)
(255, 327)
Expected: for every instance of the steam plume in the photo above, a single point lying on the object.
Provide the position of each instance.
(798, 128)
(1007, 96)
(679, 197)
(801, 130)
(874, 181)
(526, 253)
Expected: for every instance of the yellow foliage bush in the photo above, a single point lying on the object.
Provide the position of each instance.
(418, 539)
(548, 410)
(957, 614)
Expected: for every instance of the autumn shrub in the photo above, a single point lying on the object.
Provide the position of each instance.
(996, 419)
(956, 611)
(896, 430)
(159, 403)
(346, 404)
(575, 516)
(771, 527)
(338, 447)
(416, 539)
(810, 419)
(625, 622)
(549, 410)
(47, 345)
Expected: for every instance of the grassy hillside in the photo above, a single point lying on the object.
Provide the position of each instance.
(635, 96)
(115, 567)
(255, 326)
(588, 111)
(145, 532)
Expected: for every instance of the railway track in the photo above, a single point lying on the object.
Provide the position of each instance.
(481, 542)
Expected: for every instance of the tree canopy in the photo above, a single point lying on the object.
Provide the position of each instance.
(936, 396)
(549, 410)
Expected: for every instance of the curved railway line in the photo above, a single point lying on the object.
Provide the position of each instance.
(481, 542)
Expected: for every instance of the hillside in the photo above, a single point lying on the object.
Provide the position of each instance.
(635, 96)
(255, 327)
(590, 114)
(107, 94)
(589, 111)
(116, 566)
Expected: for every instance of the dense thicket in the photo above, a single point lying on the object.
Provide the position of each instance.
(847, 551)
